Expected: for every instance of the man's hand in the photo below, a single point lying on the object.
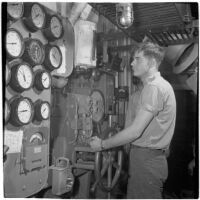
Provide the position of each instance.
(95, 143)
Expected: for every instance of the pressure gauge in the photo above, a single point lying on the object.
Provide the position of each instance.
(8, 74)
(35, 16)
(21, 111)
(34, 52)
(53, 57)
(54, 28)
(6, 111)
(42, 110)
(15, 10)
(98, 105)
(14, 43)
(42, 80)
(21, 77)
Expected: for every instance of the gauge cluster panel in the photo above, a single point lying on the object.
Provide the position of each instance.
(35, 47)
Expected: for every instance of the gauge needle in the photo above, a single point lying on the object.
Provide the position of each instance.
(11, 43)
(55, 26)
(45, 79)
(54, 57)
(44, 110)
(23, 111)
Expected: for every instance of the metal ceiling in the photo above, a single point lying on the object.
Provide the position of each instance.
(161, 22)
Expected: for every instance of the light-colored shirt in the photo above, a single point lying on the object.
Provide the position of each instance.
(157, 97)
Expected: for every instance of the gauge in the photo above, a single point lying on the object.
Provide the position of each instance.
(42, 80)
(34, 52)
(14, 43)
(21, 111)
(15, 10)
(35, 16)
(42, 110)
(6, 111)
(36, 138)
(53, 58)
(21, 77)
(54, 28)
(98, 105)
(8, 73)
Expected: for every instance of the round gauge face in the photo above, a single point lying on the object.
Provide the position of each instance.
(97, 105)
(55, 57)
(38, 16)
(45, 110)
(24, 111)
(6, 111)
(56, 27)
(14, 43)
(36, 51)
(46, 80)
(8, 74)
(24, 76)
(15, 10)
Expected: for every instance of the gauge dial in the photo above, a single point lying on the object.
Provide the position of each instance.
(54, 28)
(8, 74)
(21, 77)
(14, 43)
(53, 59)
(98, 105)
(38, 16)
(21, 111)
(6, 111)
(34, 52)
(34, 16)
(45, 110)
(42, 80)
(42, 110)
(15, 10)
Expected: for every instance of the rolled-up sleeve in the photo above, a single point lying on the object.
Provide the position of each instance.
(152, 99)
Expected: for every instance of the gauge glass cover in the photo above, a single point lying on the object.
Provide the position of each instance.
(14, 43)
(56, 27)
(24, 76)
(45, 110)
(36, 51)
(38, 16)
(15, 10)
(45, 80)
(55, 57)
(24, 111)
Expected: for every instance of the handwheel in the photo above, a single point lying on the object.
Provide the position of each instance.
(108, 164)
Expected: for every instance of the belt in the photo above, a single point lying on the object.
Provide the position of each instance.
(157, 151)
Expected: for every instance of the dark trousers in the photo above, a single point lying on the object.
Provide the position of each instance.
(147, 172)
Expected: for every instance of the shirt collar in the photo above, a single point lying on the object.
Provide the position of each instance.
(152, 77)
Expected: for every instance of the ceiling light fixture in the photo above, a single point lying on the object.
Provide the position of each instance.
(124, 15)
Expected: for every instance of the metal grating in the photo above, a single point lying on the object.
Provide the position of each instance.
(161, 22)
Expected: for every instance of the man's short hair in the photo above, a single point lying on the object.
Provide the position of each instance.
(152, 50)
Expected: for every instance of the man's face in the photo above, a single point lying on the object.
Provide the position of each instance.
(140, 65)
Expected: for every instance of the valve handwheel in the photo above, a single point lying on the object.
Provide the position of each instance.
(108, 164)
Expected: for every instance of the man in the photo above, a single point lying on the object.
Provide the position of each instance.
(151, 131)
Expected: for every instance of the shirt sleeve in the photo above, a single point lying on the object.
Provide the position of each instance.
(152, 99)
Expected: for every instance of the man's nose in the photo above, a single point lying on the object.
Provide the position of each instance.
(132, 64)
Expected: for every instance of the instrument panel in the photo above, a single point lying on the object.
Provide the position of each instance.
(33, 55)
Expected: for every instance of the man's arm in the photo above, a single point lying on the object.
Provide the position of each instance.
(132, 132)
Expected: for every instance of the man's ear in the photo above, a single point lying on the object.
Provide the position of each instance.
(152, 62)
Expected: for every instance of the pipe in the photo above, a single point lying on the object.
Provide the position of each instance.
(76, 11)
